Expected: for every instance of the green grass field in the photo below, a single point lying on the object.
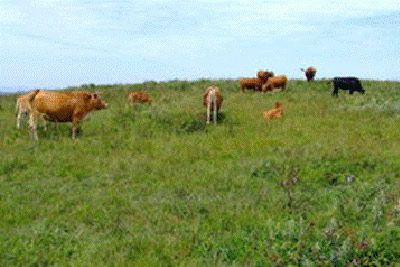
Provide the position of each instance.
(152, 185)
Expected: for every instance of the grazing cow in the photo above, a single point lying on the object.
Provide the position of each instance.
(275, 112)
(255, 83)
(310, 73)
(139, 97)
(279, 81)
(212, 99)
(62, 107)
(351, 84)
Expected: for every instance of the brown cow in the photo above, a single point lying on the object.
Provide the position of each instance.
(255, 83)
(279, 81)
(62, 107)
(139, 97)
(212, 99)
(275, 112)
(310, 73)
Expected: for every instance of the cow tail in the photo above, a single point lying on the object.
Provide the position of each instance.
(33, 94)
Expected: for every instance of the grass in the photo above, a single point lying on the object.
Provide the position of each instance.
(153, 185)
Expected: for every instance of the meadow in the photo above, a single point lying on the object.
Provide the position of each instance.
(153, 185)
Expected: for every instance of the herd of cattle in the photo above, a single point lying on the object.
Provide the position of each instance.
(75, 106)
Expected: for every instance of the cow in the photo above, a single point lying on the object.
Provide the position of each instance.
(279, 81)
(255, 83)
(351, 84)
(275, 112)
(310, 73)
(212, 99)
(139, 97)
(22, 108)
(62, 107)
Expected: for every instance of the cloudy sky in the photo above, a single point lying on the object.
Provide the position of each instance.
(57, 43)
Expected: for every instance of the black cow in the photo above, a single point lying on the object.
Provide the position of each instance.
(351, 84)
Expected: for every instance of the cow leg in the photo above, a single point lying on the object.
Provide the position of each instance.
(44, 124)
(208, 109)
(76, 119)
(19, 119)
(75, 126)
(335, 90)
(215, 109)
(263, 88)
(351, 92)
(33, 125)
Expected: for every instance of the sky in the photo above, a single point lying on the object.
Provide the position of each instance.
(59, 43)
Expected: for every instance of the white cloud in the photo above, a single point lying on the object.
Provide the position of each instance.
(10, 14)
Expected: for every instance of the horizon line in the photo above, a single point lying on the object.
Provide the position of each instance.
(24, 88)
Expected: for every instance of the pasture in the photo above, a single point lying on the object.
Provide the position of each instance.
(152, 185)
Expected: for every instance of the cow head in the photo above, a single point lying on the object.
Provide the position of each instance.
(96, 102)
(278, 105)
(264, 75)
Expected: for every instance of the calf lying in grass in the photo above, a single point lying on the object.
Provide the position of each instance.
(275, 112)
(139, 97)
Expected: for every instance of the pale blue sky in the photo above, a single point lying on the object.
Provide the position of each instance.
(58, 43)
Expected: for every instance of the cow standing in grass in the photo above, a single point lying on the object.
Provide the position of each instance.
(275, 82)
(351, 84)
(62, 107)
(255, 83)
(212, 99)
(310, 73)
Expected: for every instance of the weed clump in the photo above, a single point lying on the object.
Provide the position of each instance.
(192, 125)
(266, 170)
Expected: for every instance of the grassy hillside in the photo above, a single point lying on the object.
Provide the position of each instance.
(152, 185)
